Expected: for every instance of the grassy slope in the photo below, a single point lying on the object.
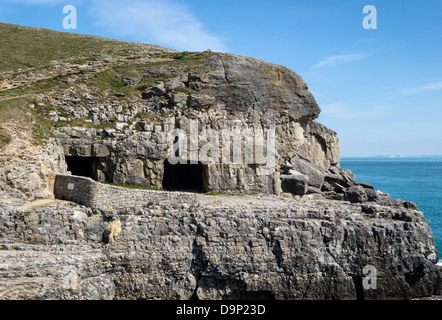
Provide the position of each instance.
(26, 49)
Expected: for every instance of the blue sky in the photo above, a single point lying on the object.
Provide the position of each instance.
(380, 90)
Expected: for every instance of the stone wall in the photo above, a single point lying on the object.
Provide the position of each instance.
(96, 195)
(80, 190)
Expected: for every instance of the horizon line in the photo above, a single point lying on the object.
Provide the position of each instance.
(395, 156)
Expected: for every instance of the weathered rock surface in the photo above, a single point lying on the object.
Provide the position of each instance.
(228, 247)
(30, 169)
(221, 92)
(249, 87)
(356, 194)
(295, 183)
(315, 174)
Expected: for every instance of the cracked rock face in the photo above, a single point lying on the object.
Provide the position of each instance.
(227, 247)
(249, 87)
(220, 92)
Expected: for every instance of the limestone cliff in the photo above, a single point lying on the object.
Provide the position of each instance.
(303, 228)
(218, 91)
(227, 247)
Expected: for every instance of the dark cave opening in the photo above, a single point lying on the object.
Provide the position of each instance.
(183, 177)
(82, 166)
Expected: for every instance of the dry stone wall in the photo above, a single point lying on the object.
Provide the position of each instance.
(96, 195)
(80, 190)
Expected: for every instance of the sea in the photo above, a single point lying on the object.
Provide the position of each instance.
(418, 180)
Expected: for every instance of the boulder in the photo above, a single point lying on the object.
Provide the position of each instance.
(332, 178)
(179, 98)
(348, 176)
(356, 194)
(410, 205)
(131, 81)
(371, 194)
(174, 84)
(331, 195)
(313, 190)
(295, 183)
(157, 90)
(199, 101)
(119, 125)
(314, 173)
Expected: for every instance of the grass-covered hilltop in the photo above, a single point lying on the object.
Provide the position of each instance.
(92, 208)
(37, 60)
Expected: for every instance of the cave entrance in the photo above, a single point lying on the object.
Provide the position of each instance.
(81, 166)
(90, 167)
(183, 177)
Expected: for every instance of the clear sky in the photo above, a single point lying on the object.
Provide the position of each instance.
(379, 89)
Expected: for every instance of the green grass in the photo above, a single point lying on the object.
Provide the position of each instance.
(17, 109)
(214, 194)
(11, 109)
(186, 90)
(138, 127)
(181, 56)
(110, 79)
(107, 80)
(192, 57)
(41, 128)
(4, 139)
(25, 47)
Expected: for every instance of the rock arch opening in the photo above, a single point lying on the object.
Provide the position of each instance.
(183, 177)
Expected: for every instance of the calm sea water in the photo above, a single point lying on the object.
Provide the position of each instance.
(410, 179)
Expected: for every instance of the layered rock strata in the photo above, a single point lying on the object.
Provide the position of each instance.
(226, 247)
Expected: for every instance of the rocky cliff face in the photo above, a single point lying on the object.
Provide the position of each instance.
(227, 247)
(220, 92)
(309, 232)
